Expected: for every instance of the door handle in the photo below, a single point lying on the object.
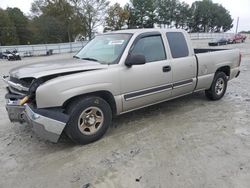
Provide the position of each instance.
(166, 68)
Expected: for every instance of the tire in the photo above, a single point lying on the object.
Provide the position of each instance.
(89, 120)
(218, 87)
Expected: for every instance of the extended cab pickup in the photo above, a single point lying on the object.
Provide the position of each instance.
(113, 74)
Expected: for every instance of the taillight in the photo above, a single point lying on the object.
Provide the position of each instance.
(240, 59)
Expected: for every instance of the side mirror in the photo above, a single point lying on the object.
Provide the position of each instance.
(135, 59)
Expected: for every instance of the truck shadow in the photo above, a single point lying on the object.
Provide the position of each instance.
(178, 105)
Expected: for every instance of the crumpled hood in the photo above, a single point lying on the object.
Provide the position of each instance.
(39, 70)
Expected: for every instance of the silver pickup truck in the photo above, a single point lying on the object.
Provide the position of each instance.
(114, 73)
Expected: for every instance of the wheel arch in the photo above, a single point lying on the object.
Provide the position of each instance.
(105, 95)
(225, 69)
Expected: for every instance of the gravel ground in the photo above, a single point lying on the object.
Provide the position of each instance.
(188, 142)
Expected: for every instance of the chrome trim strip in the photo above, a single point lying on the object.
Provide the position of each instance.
(176, 87)
(146, 92)
(14, 85)
(139, 96)
(124, 112)
(155, 90)
(183, 83)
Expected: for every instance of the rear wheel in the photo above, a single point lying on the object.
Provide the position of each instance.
(89, 120)
(218, 87)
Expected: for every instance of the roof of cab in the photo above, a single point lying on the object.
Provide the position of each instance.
(138, 31)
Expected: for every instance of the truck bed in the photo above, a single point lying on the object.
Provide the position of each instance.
(209, 60)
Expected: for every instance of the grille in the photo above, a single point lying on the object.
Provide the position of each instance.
(16, 91)
(24, 82)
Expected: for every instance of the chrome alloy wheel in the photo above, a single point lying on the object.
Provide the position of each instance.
(90, 120)
(219, 86)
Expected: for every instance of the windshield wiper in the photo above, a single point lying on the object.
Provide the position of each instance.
(89, 58)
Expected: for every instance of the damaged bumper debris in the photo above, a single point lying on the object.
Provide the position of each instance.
(46, 123)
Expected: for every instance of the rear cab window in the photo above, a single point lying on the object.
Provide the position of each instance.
(178, 44)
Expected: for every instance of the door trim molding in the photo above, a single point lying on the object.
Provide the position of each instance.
(155, 90)
(182, 83)
(146, 92)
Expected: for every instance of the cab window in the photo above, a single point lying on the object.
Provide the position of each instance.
(151, 47)
(178, 45)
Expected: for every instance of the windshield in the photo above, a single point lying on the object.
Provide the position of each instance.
(106, 49)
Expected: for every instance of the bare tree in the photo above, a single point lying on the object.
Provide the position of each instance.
(37, 6)
(92, 13)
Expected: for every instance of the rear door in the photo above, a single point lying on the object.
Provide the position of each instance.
(183, 63)
(149, 83)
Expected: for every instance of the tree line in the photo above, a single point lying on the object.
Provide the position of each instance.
(52, 21)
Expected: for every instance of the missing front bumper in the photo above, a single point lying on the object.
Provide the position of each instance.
(46, 123)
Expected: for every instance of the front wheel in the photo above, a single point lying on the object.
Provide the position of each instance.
(89, 120)
(218, 87)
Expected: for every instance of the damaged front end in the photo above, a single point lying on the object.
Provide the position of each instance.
(21, 107)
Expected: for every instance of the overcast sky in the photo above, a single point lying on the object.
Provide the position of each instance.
(237, 8)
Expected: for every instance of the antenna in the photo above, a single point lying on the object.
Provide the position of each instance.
(237, 25)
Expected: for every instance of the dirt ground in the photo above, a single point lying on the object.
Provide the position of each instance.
(188, 142)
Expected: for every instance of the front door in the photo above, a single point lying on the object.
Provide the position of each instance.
(150, 83)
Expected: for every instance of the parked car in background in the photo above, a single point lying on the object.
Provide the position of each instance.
(238, 38)
(218, 42)
(11, 55)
